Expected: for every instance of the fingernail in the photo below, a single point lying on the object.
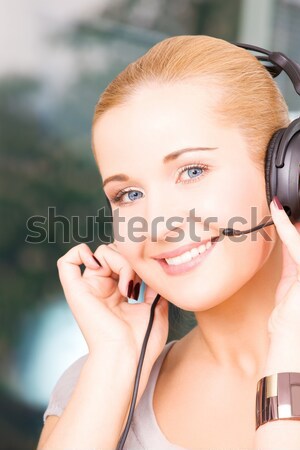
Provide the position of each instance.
(98, 262)
(129, 290)
(136, 291)
(277, 202)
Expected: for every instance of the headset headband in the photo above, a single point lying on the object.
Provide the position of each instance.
(278, 62)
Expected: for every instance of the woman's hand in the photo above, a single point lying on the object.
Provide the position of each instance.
(285, 318)
(98, 300)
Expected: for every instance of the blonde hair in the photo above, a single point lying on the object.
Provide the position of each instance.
(250, 101)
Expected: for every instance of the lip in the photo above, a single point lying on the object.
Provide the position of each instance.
(179, 251)
(188, 266)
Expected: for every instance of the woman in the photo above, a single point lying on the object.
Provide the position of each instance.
(180, 138)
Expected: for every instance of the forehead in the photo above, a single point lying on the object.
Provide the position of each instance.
(151, 103)
(158, 119)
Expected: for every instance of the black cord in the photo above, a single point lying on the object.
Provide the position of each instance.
(138, 375)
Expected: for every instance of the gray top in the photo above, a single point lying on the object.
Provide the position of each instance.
(144, 432)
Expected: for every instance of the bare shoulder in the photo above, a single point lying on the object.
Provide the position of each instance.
(48, 427)
(178, 352)
(176, 357)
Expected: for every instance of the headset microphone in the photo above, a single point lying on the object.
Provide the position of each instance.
(232, 232)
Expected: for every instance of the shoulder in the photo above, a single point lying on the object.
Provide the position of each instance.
(177, 353)
(64, 387)
(69, 377)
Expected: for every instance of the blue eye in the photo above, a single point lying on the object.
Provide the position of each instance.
(194, 171)
(132, 195)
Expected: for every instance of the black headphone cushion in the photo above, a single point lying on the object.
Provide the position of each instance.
(272, 147)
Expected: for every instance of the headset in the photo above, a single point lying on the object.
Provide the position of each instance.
(282, 172)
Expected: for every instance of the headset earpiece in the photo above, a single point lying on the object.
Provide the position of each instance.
(282, 168)
(282, 159)
(287, 167)
(270, 177)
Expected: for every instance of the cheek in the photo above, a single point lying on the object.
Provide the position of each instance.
(129, 224)
(244, 207)
(130, 250)
(238, 200)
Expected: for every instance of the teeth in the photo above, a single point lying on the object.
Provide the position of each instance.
(187, 256)
(208, 244)
(202, 248)
(194, 252)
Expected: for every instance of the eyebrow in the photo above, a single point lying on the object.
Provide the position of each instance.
(167, 158)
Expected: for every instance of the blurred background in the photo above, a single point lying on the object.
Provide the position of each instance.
(56, 58)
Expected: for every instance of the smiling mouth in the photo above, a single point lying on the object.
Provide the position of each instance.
(188, 260)
(189, 254)
(185, 248)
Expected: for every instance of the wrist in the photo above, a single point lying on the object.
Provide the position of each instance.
(114, 358)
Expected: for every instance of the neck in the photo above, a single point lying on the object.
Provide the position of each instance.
(234, 335)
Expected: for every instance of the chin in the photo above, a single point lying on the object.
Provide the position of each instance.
(208, 294)
(198, 299)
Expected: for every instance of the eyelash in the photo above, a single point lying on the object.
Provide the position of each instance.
(117, 197)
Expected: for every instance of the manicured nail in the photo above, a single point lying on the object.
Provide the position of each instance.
(277, 202)
(129, 290)
(98, 262)
(136, 291)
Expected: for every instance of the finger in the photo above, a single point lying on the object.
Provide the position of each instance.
(149, 295)
(137, 287)
(69, 264)
(113, 246)
(116, 266)
(289, 233)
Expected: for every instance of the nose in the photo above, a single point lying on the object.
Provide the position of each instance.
(165, 216)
